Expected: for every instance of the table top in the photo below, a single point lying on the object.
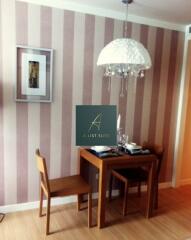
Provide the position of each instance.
(122, 158)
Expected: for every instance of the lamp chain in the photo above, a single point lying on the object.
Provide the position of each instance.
(126, 20)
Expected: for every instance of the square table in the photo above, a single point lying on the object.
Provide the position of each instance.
(122, 161)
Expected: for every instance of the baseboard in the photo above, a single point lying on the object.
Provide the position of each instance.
(33, 205)
(65, 200)
(165, 185)
(183, 182)
(144, 187)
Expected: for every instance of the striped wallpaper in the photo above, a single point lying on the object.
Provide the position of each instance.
(148, 108)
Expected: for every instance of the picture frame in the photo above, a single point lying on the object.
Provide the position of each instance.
(33, 74)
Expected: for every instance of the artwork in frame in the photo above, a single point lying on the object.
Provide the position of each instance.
(34, 74)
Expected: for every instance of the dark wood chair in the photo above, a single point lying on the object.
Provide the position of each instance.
(66, 186)
(135, 176)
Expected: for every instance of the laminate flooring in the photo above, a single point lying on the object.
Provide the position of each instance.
(172, 221)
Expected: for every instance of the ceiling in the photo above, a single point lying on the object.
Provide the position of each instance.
(173, 11)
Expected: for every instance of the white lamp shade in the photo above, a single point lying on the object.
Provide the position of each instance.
(125, 51)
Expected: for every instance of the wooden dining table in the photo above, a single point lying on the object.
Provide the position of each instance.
(104, 165)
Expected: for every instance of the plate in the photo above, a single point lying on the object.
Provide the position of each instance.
(100, 148)
(132, 146)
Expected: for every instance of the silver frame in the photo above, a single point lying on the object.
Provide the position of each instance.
(51, 75)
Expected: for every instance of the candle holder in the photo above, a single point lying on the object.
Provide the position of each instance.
(122, 139)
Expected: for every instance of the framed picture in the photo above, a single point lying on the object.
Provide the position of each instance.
(34, 74)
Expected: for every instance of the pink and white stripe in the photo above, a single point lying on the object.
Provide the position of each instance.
(45, 108)
(97, 71)
(108, 37)
(148, 86)
(68, 53)
(34, 13)
(22, 113)
(88, 58)
(9, 107)
(56, 106)
(148, 109)
(1, 123)
(79, 36)
(139, 92)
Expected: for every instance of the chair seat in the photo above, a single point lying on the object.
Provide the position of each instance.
(131, 174)
(70, 185)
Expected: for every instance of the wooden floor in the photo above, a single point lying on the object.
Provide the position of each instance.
(172, 221)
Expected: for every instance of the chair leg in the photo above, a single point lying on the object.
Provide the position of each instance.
(156, 197)
(89, 209)
(41, 202)
(125, 198)
(121, 189)
(110, 186)
(79, 200)
(2, 215)
(139, 189)
(48, 216)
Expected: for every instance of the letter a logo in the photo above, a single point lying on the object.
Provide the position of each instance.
(96, 122)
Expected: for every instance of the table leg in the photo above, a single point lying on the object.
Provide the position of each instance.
(102, 196)
(80, 171)
(151, 190)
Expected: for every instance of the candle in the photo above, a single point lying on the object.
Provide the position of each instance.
(118, 122)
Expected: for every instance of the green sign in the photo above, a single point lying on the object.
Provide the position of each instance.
(96, 125)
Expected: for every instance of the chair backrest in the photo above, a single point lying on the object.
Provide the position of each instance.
(41, 165)
(157, 150)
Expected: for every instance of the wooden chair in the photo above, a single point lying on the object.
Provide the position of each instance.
(72, 185)
(2, 215)
(135, 176)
